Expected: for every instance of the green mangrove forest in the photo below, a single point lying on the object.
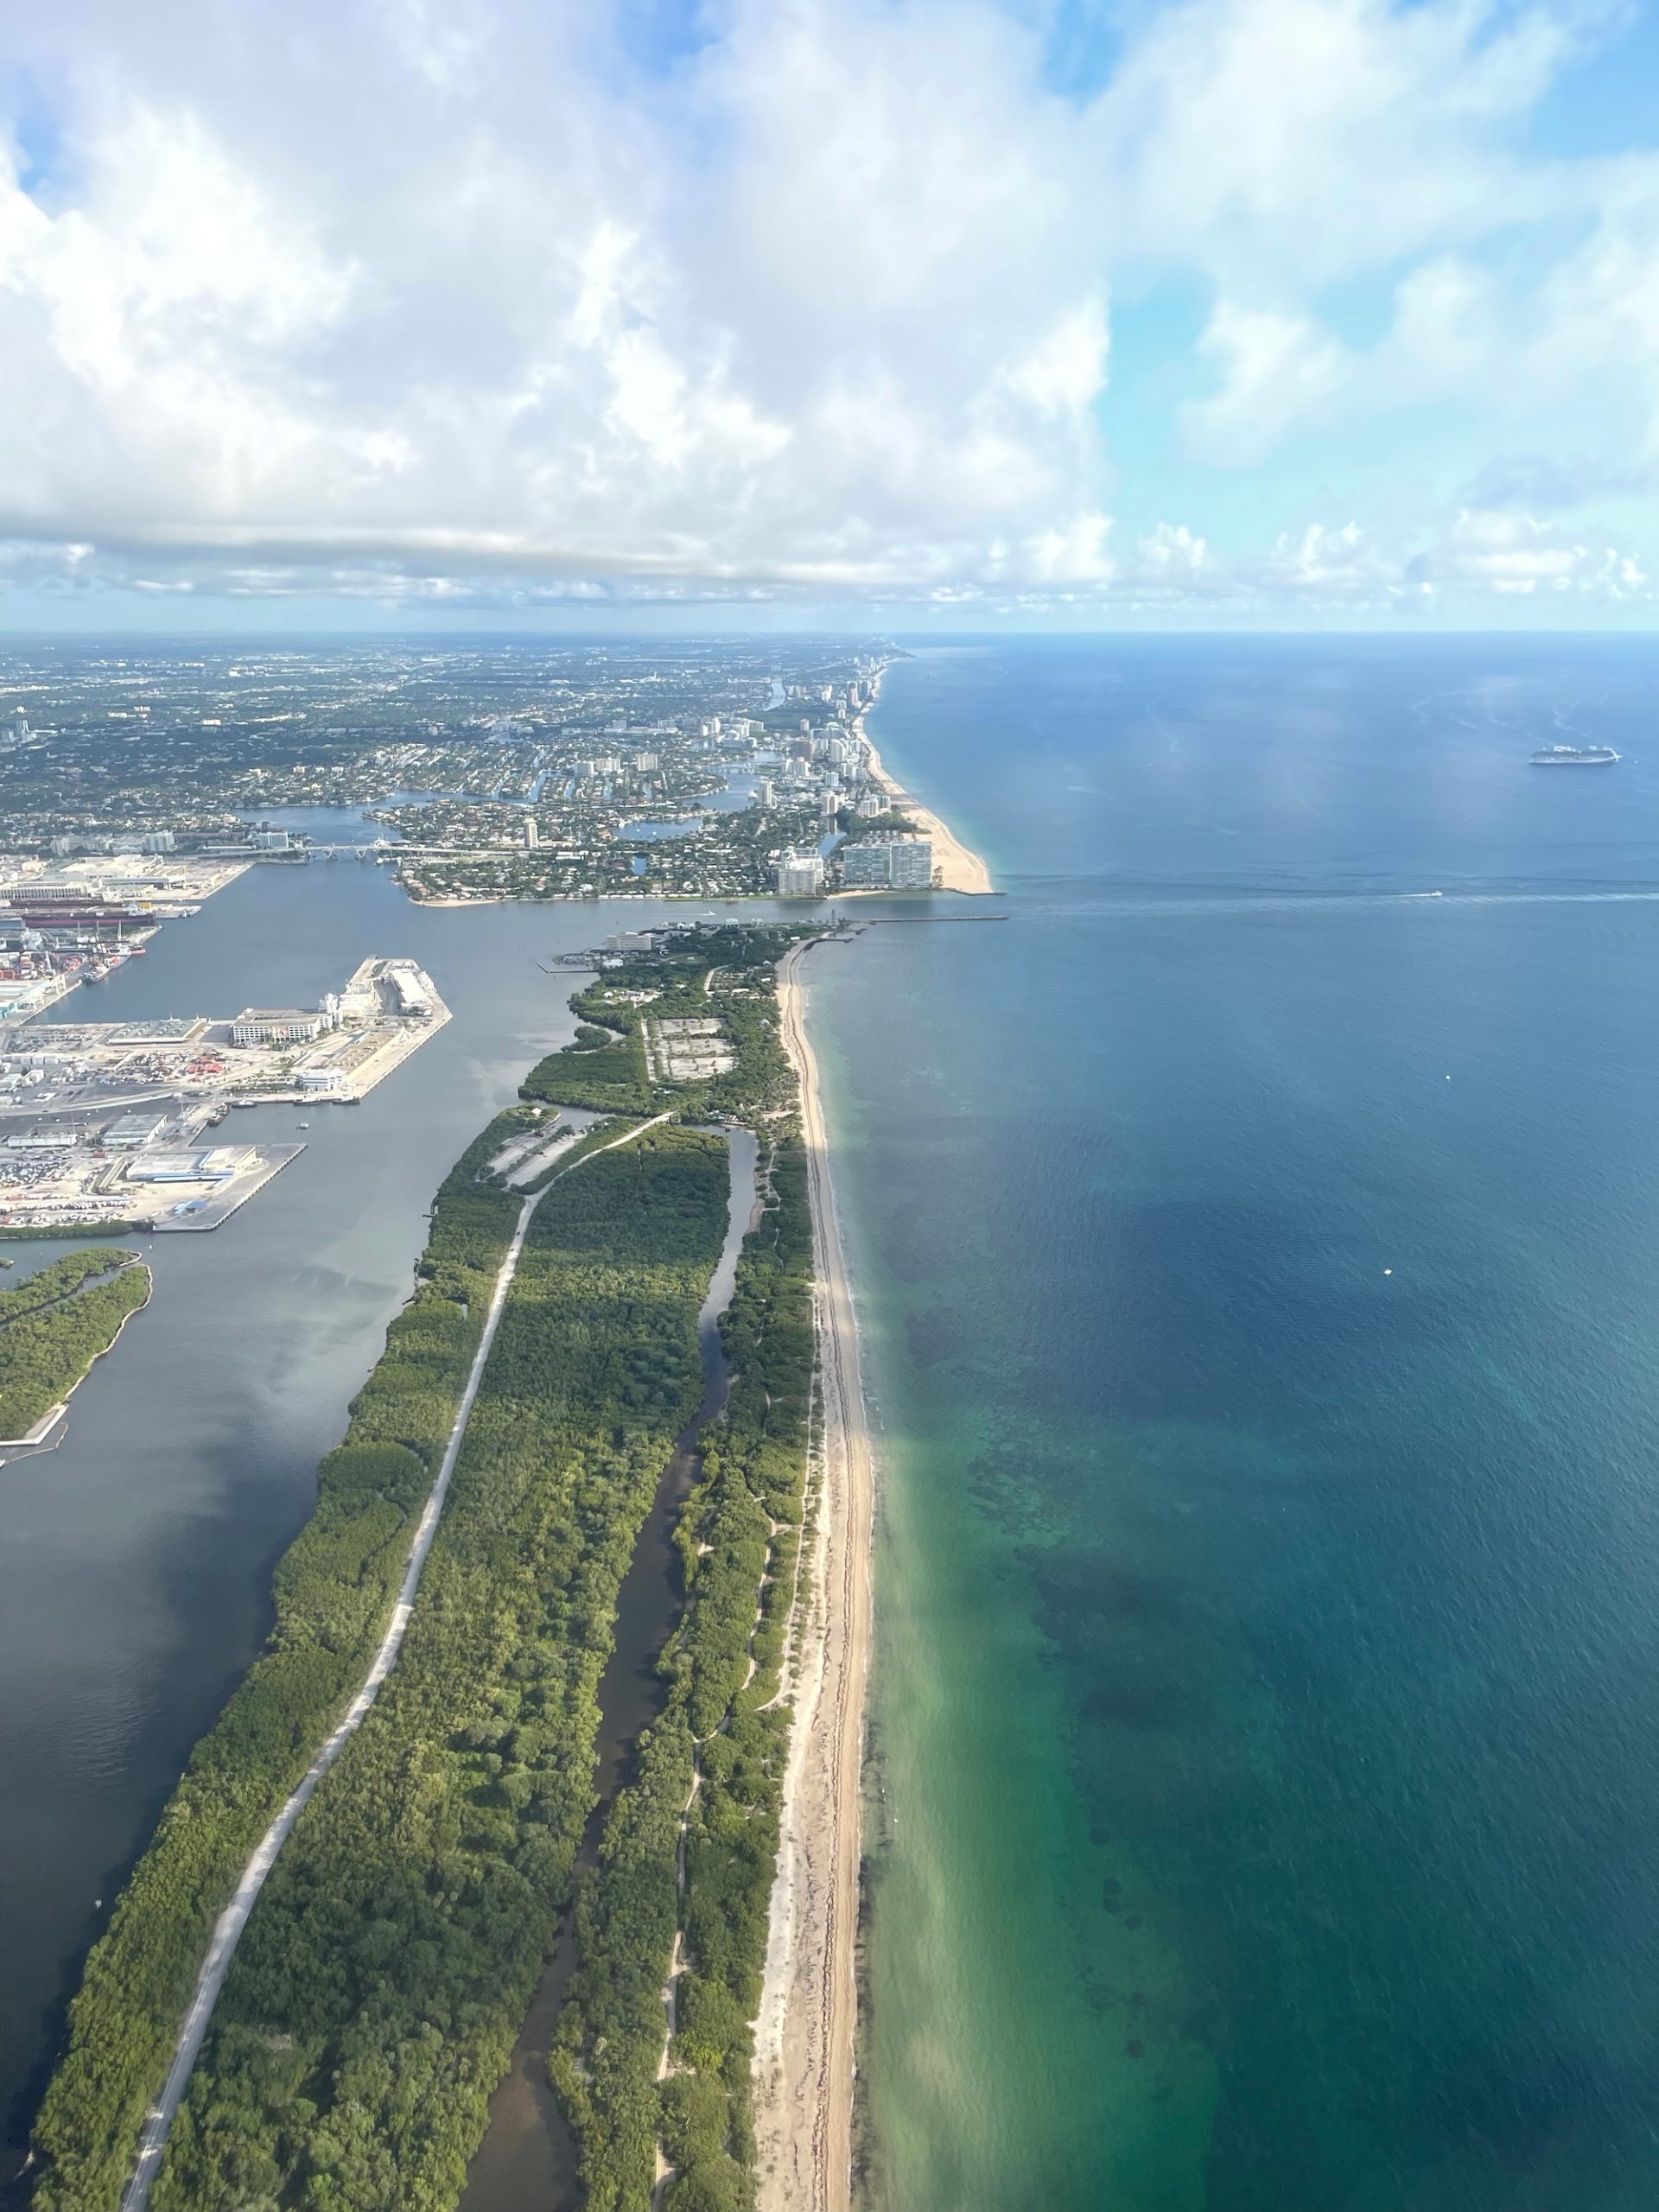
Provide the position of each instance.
(333, 1593)
(374, 2001)
(55, 1326)
(685, 1868)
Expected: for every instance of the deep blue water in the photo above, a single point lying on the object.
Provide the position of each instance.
(1260, 1262)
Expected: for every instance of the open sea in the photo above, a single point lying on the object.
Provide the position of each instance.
(1259, 1258)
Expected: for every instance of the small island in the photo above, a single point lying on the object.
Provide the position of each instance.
(54, 1327)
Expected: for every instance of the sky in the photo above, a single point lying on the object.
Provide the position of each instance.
(927, 313)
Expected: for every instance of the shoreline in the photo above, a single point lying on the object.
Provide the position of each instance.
(960, 868)
(46, 1433)
(803, 2063)
(233, 1920)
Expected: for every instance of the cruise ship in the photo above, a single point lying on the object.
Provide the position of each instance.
(1575, 756)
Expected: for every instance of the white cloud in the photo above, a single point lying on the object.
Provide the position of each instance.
(378, 297)
(1289, 142)
(1277, 372)
(1515, 553)
(1065, 372)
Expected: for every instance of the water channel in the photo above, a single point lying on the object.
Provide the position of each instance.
(136, 1559)
(527, 2160)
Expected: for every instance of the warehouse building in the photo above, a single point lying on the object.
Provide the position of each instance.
(129, 1131)
(217, 1163)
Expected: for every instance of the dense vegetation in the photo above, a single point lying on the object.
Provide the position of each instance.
(58, 1279)
(610, 1076)
(740, 957)
(375, 1999)
(26, 1232)
(55, 1326)
(334, 1589)
(690, 1844)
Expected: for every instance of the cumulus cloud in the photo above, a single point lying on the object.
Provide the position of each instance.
(1275, 371)
(501, 305)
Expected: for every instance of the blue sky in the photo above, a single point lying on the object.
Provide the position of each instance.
(941, 313)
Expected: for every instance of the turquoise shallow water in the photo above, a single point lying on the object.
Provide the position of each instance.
(1267, 1772)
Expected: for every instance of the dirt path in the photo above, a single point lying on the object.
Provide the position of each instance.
(804, 2045)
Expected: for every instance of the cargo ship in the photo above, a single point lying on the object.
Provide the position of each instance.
(1575, 756)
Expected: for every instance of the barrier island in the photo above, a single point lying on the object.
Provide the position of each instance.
(373, 2000)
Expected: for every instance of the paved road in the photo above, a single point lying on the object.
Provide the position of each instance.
(227, 1931)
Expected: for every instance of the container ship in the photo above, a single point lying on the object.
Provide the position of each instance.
(1575, 756)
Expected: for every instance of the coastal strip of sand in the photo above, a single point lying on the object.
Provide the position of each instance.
(959, 867)
(803, 2041)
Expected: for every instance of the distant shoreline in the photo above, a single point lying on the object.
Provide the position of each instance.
(960, 868)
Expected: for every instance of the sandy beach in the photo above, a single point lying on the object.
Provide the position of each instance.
(804, 2042)
(959, 867)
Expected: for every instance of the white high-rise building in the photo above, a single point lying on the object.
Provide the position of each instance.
(800, 875)
(893, 863)
(912, 863)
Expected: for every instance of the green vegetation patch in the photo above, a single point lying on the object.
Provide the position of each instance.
(690, 1845)
(728, 972)
(334, 1592)
(35, 1232)
(374, 1999)
(55, 1326)
(385, 1972)
(610, 1076)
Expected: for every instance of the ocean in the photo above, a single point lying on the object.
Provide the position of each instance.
(1256, 1239)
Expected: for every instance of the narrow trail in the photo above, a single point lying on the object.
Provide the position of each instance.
(227, 1931)
(804, 2045)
